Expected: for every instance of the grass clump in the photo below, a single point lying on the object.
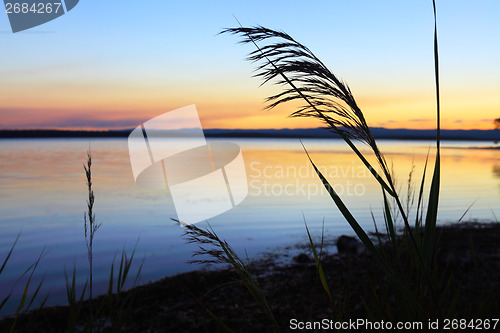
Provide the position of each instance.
(222, 252)
(26, 301)
(113, 307)
(106, 313)
(75, 304)
(408, 261)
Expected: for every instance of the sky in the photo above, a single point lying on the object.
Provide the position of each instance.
(113, 64)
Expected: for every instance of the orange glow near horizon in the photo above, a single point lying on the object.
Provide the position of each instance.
(120, 106)
(250, 117)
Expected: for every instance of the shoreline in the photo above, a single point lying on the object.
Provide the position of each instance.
(379, 133)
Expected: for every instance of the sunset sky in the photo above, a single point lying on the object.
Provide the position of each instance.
(114, 64)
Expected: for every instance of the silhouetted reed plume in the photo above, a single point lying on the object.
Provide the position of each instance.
(306, 79)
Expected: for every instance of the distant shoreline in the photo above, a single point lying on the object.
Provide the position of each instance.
(319, 133)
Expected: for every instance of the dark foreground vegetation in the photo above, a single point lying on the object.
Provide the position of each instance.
(467, 257)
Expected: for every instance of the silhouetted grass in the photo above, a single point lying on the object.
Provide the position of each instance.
(75, 304)
(90, 228)
(221, 252)
(305, 78)
(82, 316)
(26, 300)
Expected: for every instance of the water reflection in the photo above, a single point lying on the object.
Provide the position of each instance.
(496, 170)
(42, 191)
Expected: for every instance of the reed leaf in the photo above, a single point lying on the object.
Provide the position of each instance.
(432, 208)
(24, 296)
(222, 252)
(75, 304)
(10, 253)
(466, 211)
(367, 242)
(389, 223)
(321, 272)
(6, 298)
(220, 324)
(418, 218)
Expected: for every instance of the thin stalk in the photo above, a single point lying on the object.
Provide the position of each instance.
(90, 228)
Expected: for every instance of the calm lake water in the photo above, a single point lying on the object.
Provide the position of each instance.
(43, 193)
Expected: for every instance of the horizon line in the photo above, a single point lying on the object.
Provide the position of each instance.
(233, 129)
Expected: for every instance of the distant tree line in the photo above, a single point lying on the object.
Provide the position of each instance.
(497, 123)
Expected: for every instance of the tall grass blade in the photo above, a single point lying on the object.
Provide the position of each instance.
(121, 273)
(250, 282)
(418, 218)
(111, 278)
(321, 272)
(366, 240)
(389, 222)
(2, 304)
(74, 305)
(379, 239)
(26, 288)
(432, 209)
(10, 253)
(224, 253)
(37, 290)
(22, 302)
(494, 215)
(220, 324)
(466, 211)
